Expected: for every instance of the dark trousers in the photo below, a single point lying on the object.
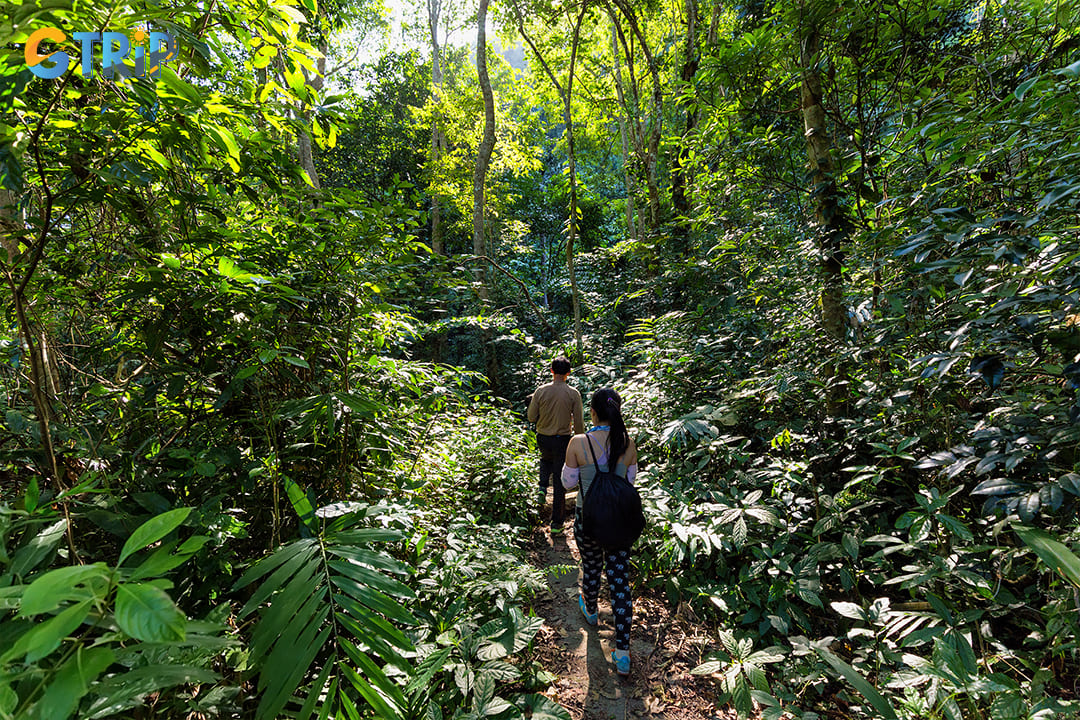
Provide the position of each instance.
(595, 560)
(552, 458)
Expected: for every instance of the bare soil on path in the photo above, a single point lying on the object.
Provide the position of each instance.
(664, 647)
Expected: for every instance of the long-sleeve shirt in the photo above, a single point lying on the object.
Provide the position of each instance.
(556, 409)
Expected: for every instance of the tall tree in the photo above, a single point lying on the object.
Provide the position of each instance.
(631, 227)
(688, 103)
(566, 95)
(487, 145)
(830, 225)
(438, 137)
(651, 126)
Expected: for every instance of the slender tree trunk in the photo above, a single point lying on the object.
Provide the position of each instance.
(575, 294)
(829, 221)
(630, 227)
(305, 154)
(679, 202)
(655, 119)
(438, 137)
(487, 145)
(35, 340)
(566, 94)
(714, 23)
(9, 223)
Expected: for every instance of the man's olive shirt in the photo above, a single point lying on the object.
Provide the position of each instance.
(556, 409)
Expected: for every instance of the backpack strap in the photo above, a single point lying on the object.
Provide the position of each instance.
(592, 452)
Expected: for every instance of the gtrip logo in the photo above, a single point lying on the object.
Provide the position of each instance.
(115, 49)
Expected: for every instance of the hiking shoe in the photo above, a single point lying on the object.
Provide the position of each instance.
(556, 530)
(622, 663)
(591, 619)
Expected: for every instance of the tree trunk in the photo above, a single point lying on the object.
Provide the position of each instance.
(651, 149)
(571, 236)
(566, 94)
(631, 230)
(10, 222)
(305, 155)
(487, 145)
(829, 222)
(35, 340)
(438, 137)
(679, 202)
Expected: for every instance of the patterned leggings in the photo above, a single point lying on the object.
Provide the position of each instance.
(593, 561)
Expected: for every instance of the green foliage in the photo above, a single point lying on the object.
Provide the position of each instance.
(96, 640)
(742, 675)
(332, 597)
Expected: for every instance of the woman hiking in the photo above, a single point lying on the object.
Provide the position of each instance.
(607, 442)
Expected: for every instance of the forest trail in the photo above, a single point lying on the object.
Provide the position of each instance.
(659, 685)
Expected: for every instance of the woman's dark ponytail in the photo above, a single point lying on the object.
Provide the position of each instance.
(607, 405)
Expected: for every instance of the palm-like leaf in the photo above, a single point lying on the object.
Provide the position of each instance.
(328, 607)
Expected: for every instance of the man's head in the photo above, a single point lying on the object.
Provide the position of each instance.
(560, 366)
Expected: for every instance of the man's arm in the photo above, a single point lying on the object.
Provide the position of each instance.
(579, 421)
(534, 408)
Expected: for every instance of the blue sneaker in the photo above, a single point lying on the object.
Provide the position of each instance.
(622, 663)
(591, 619)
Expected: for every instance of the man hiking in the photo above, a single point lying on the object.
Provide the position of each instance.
(556, 410)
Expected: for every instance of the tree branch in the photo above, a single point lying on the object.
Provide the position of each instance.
(520, 283)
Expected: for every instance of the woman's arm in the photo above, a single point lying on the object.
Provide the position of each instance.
(572, 452)
(571, 470)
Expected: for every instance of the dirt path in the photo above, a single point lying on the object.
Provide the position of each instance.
(659, 685)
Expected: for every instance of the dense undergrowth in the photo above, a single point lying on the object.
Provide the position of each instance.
(263, 452)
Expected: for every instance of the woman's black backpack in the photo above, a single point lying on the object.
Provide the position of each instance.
(611, 514)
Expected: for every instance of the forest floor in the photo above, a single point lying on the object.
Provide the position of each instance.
(664, 647)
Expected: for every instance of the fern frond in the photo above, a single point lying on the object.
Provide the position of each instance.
(329, 611)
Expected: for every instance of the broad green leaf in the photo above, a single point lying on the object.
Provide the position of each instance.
(290, 611)
(33, 493)
(46, 636)
(382, 637)
(126, 689)
(372, 696)
(9, 700)
(365, 556)
(153, 530)
(709, 667)
(297, 361)
(1056, 194)
(1071, 71)
(67, 687)
(51, 590)
(426, 670)
(164, 559)
(300, 502)
(146, 612)
(1053, 552)
(849, 610)
(851, 545)
(1022, 88)
(182, 89)
(225, 140)
(540, 707)
(883, 707)
(32, 553)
